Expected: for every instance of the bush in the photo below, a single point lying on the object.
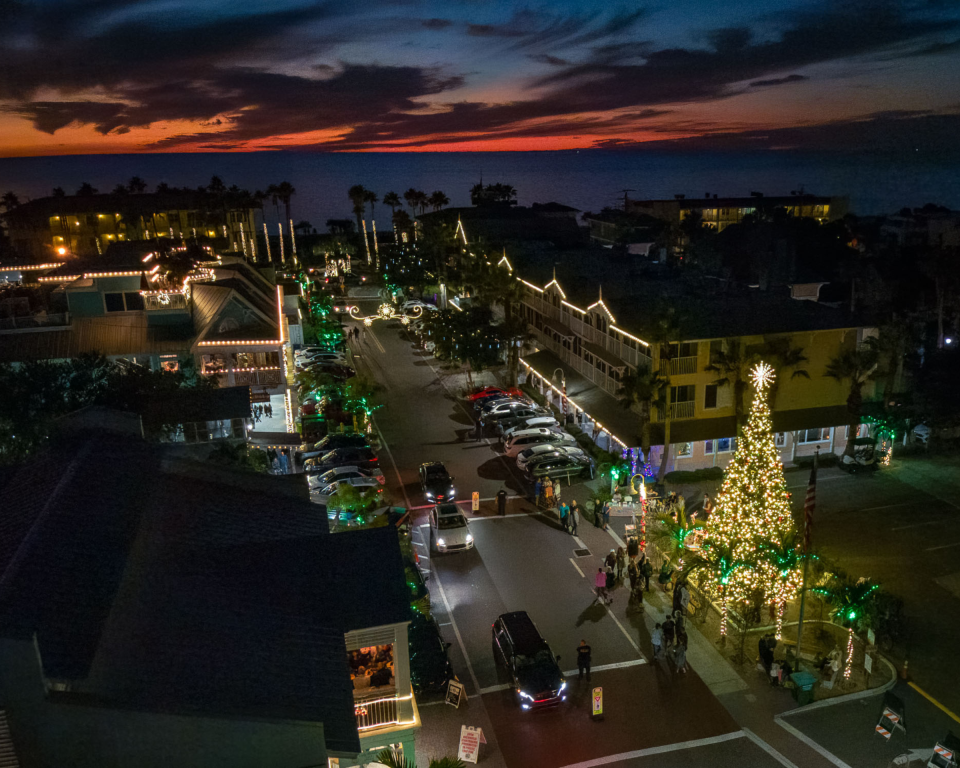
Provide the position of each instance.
(826, 460)
(694, 475)
(532, 392)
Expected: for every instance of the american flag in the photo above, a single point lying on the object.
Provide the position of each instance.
(810, 504)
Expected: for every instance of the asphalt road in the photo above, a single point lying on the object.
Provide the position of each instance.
(525, 561)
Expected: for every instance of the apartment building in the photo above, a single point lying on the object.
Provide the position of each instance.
(594, 321)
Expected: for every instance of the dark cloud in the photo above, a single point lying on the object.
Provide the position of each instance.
(437, 23)
(778, 81)
(546, 58)
(493, 30)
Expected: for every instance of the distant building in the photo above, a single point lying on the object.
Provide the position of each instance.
(76, 225)
(550, 223)
(720, 212)
(158, 613)
(931, 226)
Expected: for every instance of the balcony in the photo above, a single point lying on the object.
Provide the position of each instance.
(383, 711)
(164, 301)
(684, 410)
(40, 321)
(680, 365)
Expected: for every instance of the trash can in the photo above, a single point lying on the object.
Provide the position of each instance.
(806, 685)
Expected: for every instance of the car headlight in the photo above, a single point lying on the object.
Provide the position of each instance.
(524, 695)
(469, 538)
(441, 544)
(562, 686)
(429, 495)
(452, 491)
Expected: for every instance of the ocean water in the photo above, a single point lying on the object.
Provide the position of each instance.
(586, 179)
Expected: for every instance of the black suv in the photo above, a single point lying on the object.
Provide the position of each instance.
(537, 678)
(436, 482)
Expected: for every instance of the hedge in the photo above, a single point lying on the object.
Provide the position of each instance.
(695, 475)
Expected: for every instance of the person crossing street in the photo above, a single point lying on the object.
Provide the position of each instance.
(583, 659)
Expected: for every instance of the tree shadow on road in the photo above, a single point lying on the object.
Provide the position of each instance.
(592, 613)
(495, 469)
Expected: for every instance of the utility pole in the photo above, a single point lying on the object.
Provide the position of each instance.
(626, 197)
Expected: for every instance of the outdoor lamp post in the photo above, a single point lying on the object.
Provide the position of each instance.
(563, 383)
(643, 511)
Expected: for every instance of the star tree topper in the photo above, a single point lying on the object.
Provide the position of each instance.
(762, 376)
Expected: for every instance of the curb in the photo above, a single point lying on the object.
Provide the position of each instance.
(849, 696)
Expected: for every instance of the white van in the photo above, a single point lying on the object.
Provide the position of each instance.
(520, 442)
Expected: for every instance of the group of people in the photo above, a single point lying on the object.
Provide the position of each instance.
(371, 667)
(259, 411)
(671, 637)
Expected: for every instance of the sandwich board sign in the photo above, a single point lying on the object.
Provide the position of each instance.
(475, 501)
(454, 693)
(470, 740)
(597, 703)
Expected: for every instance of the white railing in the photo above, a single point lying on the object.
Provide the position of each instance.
(379, 711)
(165, 301)
(680, 365)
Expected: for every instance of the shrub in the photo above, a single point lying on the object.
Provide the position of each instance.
(533, 393)
(826, 460)
(694, 475)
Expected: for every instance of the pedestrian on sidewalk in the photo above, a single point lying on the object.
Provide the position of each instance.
(564, 516)
(479, 432)
(680, 624)
(556, 490)
(597, 514)
(621, 563)
(610, 561)
(600, 582)
(537, 489)
(583, 659)
(633, 574)
(680, 653)
(574, 518)
(669, 627)
(606, 515)
(502, 502)
(684, 598)
(646, 570)
(611, 582)
(547, 493)
(656, 639)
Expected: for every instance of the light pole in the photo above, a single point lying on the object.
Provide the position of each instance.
(563, 382)
(643, 510)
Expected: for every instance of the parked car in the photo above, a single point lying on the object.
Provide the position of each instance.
(534, 671)
(315, 481)
(491, 391)
(524, 416)
(449, 530)
(306, 361)
(436, 482)
(532, 422)
(573, 451)
(342, 306)
(481, 402)
(311, 451)
(503, 406)
(411, 304)
(366, 486)
(541, 439)
(339, 372)
(430, 669)
(364, 458)
(560, 466)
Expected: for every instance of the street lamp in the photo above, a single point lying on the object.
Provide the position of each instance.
(563, 381)
(643, 510)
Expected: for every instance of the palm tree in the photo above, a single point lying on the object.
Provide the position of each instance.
(437, 200)
(785, 560)
(393, 200)
(369, 196)
(857, 367)
(284, 192)
(786, 357)
(670, 535)
(358, 196)
(639, 390)
(136, 185)
(514, 333)
(891, 346)
(411, 198)
(86, 190)
(720, 565)
(9, 201)
(732, 365)
(849, 601)
(666, 332)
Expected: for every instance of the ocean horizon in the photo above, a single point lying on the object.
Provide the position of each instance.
(585, 179)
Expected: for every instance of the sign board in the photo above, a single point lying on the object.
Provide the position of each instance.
(868, 663)
(454, 693)
(598, 702)
(871, 637)
(475, 503)
(470, 740)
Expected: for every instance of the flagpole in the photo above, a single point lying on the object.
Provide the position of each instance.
(806, 560)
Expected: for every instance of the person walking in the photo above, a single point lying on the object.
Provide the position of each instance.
(600, 582)
(574, 518)
(597, 514)
(646, 570)
(611, 583)
(669, 627)
(478, 435)
(610, 561)
(684, 598)
(547, 493)
(502, 503)
(633, 574)
(537, 487)
(606, 515)
(564, 516)
(556, 490)
(583, 659)
(656, 639)
(680, 653)
(621, 563)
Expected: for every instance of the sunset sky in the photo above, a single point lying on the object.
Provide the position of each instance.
(108, 76)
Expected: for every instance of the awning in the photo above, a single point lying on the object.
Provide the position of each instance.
(558, 327)
(608, 357)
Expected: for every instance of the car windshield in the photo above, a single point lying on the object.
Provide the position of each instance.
(543, 656)
(436, 473)
(447, 522)
(328, 477)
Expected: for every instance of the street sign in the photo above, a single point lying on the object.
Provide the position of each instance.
(868, 663)
(470, 740)
(598, 702)
(475, 503)
(454, 693)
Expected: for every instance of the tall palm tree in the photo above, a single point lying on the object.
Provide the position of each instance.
(665, 334)
(358, 196)
(369, 196)
(720, 566)
(9, 201)
(437, 200)
(273, 192)
(892, 345)
(285, 191)
(411, 198)
(856, 367)
(640, 389)
(785, 357)
(784, 560)
(136, 185)
(393, 200)
(850, 601)
(732, 365)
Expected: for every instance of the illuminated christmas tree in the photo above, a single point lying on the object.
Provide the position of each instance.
(751, 523)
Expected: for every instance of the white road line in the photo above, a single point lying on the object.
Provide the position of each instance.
(605, 667)
(891, 506)
(456, 630)
(503, 517)
(616, 538)
(572, 560)
(680, 745)
(768, 749)
(375, 340)
(796, 732)
(943, 546)
(495, 688)
(916, 525)
(625, 633)
(580, 543)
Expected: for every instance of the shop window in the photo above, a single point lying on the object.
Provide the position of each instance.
(710, 396)
(726, 445)
(212, 364)
(372, 667)
(684, 450)
(819, 435)
(169, 363)
(780, 440)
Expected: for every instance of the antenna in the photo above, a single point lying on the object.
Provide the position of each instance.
(626, 198)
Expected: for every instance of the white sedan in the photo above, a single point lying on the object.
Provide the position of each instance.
(449, 530)
(323, 479)
(364, 485)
